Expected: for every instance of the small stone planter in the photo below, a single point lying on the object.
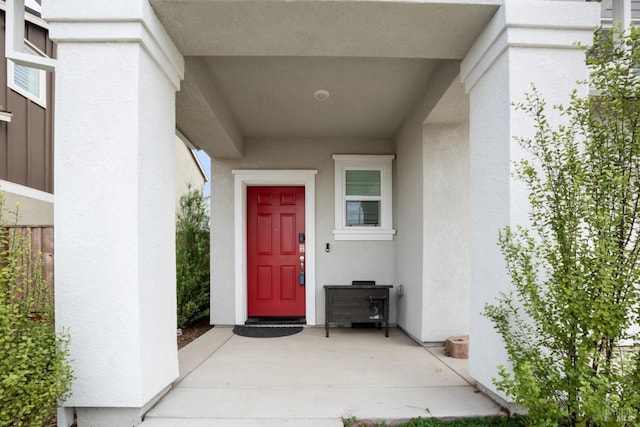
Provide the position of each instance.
(457, 347)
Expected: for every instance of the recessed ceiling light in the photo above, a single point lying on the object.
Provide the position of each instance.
(321, 95)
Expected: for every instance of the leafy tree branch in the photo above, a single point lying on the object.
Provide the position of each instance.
(575, 270)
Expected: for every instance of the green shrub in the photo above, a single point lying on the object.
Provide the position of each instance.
(192, 258)
(515, 421)
(497, 421)
(34, 366)
(576, 269)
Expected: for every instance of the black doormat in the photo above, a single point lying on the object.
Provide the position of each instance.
(265, 331)
(276, 320)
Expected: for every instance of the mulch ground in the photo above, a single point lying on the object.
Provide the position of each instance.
(192, 332)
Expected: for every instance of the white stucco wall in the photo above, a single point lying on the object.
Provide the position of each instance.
(115, 273)
(86, 185)
(408, 199)
(412, 202)
(446, 231)
(156, 231)
(115, 205)
(347, 260)
(527, 42)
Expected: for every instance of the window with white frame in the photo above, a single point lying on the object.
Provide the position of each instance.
(28, 82)
(363, 199)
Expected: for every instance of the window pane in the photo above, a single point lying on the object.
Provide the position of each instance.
(27, 78)
(363, 213)
(363, 183)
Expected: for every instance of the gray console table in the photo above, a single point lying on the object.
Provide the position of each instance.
(357, 303)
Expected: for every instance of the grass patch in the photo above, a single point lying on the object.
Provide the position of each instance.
(513, 421)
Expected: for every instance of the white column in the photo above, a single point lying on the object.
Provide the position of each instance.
(526, 42)
(116, 77)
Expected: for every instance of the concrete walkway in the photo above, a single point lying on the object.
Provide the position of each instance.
(307, 379)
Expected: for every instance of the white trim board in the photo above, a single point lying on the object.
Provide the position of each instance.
(242, 180)
(21, 190)
(14, 38)
(29, 16)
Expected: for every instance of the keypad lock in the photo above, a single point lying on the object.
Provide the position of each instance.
(301, 279)
(301, 241)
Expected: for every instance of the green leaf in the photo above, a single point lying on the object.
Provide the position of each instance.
(575, 270)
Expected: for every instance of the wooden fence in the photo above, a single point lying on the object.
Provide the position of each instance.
(37, 241)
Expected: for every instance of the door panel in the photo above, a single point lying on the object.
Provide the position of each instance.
(264, 284)
(288, 234)
(275, 219)
(263, 236)
(288, 282)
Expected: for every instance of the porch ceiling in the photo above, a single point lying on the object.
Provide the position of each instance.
(266, 58)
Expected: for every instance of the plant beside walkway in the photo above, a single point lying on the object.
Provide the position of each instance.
(576, 269)
(34, 366)
(192, 258)
(515, 421)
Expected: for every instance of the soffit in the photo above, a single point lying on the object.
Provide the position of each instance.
(399, 29)
(267, 57)
(273, 96)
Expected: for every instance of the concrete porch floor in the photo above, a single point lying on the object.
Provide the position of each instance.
(307, 379)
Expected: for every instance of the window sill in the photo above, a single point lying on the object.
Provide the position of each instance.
(364, 234)
(5, 116)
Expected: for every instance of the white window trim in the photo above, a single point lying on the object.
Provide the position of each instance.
(244, 178)
(383, 163)
(14, 37)
(41, 98)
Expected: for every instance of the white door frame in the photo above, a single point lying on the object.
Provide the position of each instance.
(246, 178)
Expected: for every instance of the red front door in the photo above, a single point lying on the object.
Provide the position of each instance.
(275, 247)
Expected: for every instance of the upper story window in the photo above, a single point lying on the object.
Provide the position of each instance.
(363, 198)
(28, 82)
